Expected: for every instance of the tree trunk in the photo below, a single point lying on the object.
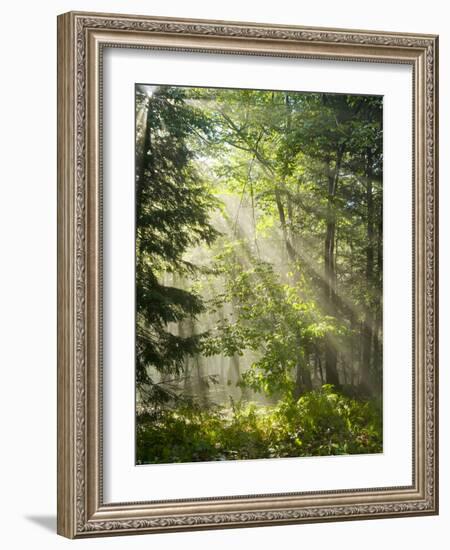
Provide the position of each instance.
(145, 162)
(330, 268)
(378, 321)
(201, 380)
(303, 380)
(318, 367)
(366, 370)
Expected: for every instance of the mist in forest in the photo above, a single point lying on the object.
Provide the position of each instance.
(258, 274)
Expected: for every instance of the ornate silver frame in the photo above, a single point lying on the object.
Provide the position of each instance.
(81, 38)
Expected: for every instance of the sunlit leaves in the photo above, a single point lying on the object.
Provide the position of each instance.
(321, 422)
(235, 201)
(271, 317)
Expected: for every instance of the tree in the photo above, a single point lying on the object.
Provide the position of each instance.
(173, 205)
(259, 262)
(277, 320)
(313, 163)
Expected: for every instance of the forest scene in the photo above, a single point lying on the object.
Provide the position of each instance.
(259, 262)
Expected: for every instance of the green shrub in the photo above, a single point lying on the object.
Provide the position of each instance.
(319, 423)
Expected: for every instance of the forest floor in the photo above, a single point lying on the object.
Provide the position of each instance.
(320, 423)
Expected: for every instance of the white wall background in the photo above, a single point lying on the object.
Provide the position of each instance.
(28, 271)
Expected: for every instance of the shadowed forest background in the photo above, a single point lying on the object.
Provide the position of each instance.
(258, 274)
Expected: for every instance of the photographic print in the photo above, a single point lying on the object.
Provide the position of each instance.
(259, 263)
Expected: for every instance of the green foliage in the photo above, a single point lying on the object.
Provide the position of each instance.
(279, 320)
(326, 422)
(321, 422)
(173, 205)
(258, 240)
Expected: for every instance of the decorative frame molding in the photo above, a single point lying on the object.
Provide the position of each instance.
(81, 37)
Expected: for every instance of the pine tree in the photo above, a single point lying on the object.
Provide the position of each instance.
(172, 214)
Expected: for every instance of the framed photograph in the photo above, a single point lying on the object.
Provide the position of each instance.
(247, 288)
